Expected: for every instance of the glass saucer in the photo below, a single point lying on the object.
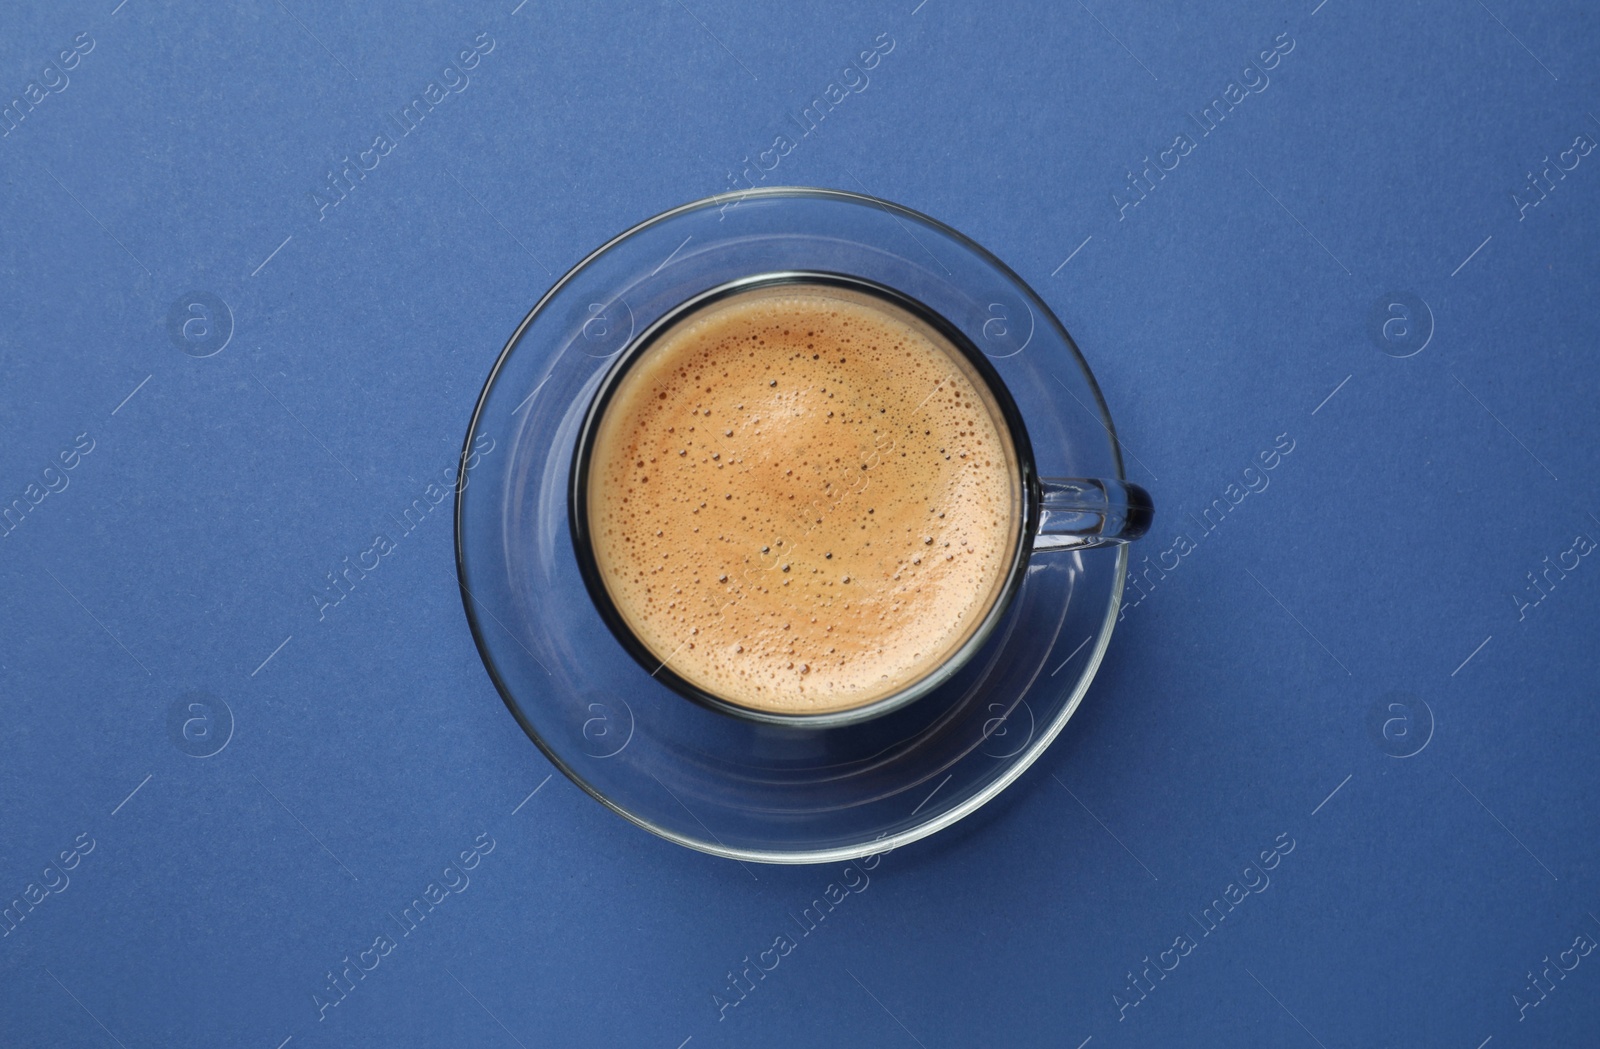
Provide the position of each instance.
(704, 778)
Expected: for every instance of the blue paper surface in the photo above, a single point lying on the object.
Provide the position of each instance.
(1334, 784)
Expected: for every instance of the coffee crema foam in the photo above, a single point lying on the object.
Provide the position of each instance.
(801, 500)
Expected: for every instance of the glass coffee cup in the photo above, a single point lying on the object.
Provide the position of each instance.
(1041, 514)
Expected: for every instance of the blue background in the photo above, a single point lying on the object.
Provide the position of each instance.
(1374, 598)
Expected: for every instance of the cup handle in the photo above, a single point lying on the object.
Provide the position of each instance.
(1076, 514)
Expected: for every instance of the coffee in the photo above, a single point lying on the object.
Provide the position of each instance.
(802, 498)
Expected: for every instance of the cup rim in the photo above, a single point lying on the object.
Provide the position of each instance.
(1025, 473)
(887, 842)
